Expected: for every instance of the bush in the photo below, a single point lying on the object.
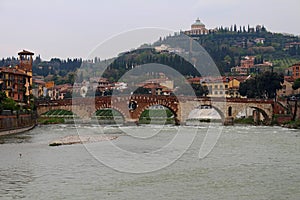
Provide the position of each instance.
(50, 120)
(248, 120)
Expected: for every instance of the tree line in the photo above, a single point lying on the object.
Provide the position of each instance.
(56, 66)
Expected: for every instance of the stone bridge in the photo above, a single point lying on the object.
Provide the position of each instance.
(131, 107)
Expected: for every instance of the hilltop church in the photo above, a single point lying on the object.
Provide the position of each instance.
(197, 28)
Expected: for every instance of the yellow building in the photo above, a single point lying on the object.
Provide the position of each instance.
(223, 86)
(232, 87)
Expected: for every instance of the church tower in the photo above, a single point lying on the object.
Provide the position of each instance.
(25, 58)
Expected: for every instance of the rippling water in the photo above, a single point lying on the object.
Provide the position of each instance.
(247, 163)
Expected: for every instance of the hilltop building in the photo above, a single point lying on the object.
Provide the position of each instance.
(197, 28)
(16, 81)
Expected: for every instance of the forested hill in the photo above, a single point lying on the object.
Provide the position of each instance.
(132, 59)
(228, 45)
(55, 66)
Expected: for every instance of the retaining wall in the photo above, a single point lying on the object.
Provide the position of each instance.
(12, 123)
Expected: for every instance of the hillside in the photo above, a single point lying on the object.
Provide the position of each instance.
(226, 46)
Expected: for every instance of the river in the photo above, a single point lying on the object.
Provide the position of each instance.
(247, 162)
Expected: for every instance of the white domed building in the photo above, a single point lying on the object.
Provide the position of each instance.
(197, 28)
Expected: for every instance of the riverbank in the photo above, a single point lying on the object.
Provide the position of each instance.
(15, 131)
(278, 121)
(282, 123)
(12, 124)
(292, 124)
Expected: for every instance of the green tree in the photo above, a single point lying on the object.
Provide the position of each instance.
(71, 78)
(262, 86)
(296, 84)
(9, 104)
(3, 97)
(200, 90)
(141, 90)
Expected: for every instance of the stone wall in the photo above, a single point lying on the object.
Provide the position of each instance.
(12, 122)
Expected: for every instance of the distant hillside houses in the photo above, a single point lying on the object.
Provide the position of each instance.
(95, 86)
(293, 72)
(248, 65)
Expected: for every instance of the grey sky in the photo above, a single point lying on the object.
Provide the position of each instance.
(72, 28)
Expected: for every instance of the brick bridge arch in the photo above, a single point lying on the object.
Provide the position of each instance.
(120, 103)
(171, 108)
(180, 106)
(143, 102)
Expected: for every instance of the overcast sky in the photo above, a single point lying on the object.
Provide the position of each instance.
(73, 28)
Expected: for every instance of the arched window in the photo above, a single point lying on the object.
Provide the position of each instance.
(230, 111)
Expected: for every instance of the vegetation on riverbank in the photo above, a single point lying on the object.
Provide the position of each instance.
(292, 124)
(248, 120)
(159, 116)
(50, 120)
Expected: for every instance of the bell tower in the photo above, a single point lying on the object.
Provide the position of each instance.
(25, 65)
(25, 58)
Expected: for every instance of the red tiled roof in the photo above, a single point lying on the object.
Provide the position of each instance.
(25, 52)
(152, 85)
(196, 79)
(13, 71)
(289, 78)
(39, 82)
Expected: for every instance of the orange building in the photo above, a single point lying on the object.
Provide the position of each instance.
(246, 64)
(296, 71)
(16, 81)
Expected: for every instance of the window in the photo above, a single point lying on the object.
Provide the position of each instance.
(216, 92)
(230, 111)
(216, 86)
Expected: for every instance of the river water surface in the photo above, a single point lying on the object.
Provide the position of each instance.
(247, 162)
